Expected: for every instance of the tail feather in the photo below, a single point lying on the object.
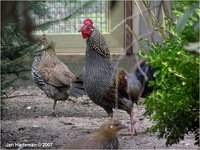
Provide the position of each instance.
(76, 94)
(77, 89)
(149, 71)
(78, 85)
(134, 86)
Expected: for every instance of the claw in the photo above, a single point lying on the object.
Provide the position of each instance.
(133, 131)
(52, 114)
(110, 116)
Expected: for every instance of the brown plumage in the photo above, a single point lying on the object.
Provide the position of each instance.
(105, 83)
(53, 76)
(103, 138)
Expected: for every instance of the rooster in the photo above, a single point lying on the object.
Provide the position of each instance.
(107, 85)
(52, 76)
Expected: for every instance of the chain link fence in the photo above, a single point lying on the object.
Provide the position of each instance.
(97, 11)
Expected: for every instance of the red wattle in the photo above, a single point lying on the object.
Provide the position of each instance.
(84, 35)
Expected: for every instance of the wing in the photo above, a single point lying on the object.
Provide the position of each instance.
(56, 72)
(122, 83)
(128, 85)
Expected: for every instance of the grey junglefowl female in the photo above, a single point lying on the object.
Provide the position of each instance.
(52, 76)
(103, 138)
(105, 83)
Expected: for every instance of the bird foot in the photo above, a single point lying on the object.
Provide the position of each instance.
(52, 114)
(109, 118)
(129, 132)
(133, 131)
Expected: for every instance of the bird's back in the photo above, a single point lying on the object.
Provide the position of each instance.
(41, 70)
(103, 138)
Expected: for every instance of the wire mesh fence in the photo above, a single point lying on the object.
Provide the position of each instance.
(97, 11)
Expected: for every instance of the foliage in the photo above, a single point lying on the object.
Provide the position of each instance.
(188, 14)
(15, 49)
(38, 8)
(174, 105)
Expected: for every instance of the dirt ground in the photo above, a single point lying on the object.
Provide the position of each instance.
(26, 123)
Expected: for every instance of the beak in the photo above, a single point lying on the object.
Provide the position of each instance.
(80, 30)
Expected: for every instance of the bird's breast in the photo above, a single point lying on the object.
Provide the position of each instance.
(97, 81)
(99, 74)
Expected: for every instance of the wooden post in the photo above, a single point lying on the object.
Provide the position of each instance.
(128, 37)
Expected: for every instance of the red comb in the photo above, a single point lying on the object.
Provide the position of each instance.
(87, 22)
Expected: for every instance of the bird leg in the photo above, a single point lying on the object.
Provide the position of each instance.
(52, 114)
(133, 130)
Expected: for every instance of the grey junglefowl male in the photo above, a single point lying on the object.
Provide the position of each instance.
(103, 138)
(105, 83)
(52, 76)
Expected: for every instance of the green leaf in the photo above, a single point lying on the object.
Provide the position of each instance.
(184, 19)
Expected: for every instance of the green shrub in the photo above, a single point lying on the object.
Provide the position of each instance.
(174, 106)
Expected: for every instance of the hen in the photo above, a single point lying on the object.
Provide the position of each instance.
(105, 83)
(103, 138)
(52, 76)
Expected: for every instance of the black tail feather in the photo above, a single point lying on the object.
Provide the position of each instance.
(149, 71)
(77, 89)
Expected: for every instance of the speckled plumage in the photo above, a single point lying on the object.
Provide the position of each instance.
(51, 75)
(98, 43)
(105, 83)
(42, 76)
(100, 77)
